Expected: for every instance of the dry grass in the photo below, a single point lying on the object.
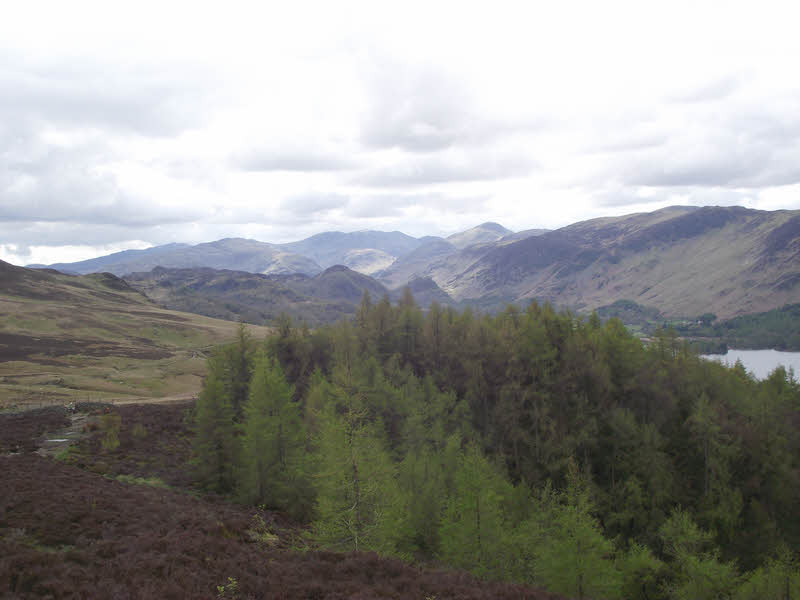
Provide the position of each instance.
(65, 338)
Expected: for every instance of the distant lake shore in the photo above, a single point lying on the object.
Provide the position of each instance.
(759, 362)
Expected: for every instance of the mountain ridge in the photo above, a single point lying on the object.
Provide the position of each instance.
(680, 260)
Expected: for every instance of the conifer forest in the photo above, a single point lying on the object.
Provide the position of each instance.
(532, 446)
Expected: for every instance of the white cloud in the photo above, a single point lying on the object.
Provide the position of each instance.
(185, 122)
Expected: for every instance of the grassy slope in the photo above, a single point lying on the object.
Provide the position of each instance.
(92, 337)
(682, 262)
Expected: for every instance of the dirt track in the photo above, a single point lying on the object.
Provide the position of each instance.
(150, 400)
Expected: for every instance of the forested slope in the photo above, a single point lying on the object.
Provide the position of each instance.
(529, 446)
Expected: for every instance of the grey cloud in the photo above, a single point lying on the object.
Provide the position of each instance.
(716, 89)
(713, 171)
(60, 185)
(744, 165)
(376, 207)
(415, 109)
(698, 196)
(42, 181)
(393, 205)
(753, 147)
(291, 159)
(307, 205)
(621, 197)
(481, 166)
(627, 143)
(28, 234)
(424, 109)
(152, 103)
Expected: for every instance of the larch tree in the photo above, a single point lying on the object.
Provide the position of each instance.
(575, 558)
(357, 496)
(214, 445)
(272, 470)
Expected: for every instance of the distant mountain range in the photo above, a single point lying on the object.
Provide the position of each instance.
(244, 255)
(680, 261)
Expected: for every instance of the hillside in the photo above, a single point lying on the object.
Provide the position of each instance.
(255, 298)
(425, 291)
(483, 233)
(148, 532)
(443, 260)
(66, 337)
(364, 251)
(679, 260)
(230, 253)
(416, 263)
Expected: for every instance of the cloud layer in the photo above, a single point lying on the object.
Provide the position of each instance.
(183, 124)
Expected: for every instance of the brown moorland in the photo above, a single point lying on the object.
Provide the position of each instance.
(69, 532)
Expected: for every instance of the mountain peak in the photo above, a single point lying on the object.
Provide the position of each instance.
(481, 234)
(492, 226)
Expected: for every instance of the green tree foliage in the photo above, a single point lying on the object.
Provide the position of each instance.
(518, 446)
(699, 574)
(357, 495)
(777, 579)
(642, 574)
(273, 468)
(574, 557)
(474, 527)
(214, 443)
(232, 366)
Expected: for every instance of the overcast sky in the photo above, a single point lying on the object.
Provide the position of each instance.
(126, 125)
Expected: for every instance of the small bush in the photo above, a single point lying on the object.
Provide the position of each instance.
(260, 533)
(228, 590)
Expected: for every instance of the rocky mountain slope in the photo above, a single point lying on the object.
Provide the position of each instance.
(680, 260)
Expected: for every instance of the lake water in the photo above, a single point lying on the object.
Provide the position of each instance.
(759, 362)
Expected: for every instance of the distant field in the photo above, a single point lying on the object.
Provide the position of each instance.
(65, 338)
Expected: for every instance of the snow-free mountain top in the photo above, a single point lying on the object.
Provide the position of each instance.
(682, 261)
(483, 233)
(363, 251)
(242, 254)
(367, 252)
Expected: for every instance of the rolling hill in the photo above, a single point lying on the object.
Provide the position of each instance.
(256, 298)
(68, 337)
